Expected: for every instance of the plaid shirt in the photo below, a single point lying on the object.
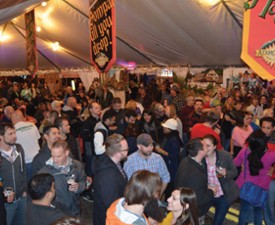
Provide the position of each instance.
(153, 163)
(178, 102)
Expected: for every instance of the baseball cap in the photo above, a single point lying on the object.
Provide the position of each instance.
(145, 140)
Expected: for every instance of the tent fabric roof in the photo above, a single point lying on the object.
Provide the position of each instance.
(160, 32)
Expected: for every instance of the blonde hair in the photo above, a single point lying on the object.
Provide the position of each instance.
(268, 113)
(131, 104)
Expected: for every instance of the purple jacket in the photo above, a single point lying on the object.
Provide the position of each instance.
(262, 179)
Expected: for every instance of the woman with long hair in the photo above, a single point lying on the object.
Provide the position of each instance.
(220, 174)
(240, 132)
(149, 125)
(257, 161)
(183, 208)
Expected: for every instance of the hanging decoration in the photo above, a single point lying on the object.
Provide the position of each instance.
(258, 48)
(102, 34)
(31, 50)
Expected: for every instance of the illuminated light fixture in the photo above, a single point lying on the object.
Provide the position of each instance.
(3, 37)
(38, 29)
(208, 2)
(55, 46)
(73, 85)
(44, 4)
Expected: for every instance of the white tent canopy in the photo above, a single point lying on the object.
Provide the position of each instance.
(149, 32)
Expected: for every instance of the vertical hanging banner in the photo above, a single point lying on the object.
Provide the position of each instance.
(31, 51)
(258, 47)
(102, 34)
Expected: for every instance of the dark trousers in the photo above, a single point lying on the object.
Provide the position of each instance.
(221, 209)
(244, 212)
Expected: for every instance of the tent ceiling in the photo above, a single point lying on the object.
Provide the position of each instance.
(175, 32)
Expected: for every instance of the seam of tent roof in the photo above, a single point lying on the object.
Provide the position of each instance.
(63, 49)
(119, 38)
(231, 13)
(40, 52)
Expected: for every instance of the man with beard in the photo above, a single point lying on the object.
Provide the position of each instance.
(51, 134)
(65, 134)
(146, 159)
(194, 117)
(13, 172)
(109, 178)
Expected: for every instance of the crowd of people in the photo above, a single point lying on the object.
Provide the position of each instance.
(165, 157)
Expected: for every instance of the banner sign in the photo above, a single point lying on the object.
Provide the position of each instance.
(102, 34)
(31, 51)
(258, 47)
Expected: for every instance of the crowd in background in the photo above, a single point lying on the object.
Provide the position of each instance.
(47, 137)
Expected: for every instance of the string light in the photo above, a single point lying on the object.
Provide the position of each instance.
(55, 46)
(38, 29)
(44, 4)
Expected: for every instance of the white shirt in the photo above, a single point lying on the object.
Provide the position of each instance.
(98, 142)
(28, 136)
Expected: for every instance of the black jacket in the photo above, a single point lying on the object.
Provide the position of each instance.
(14, 174)
(74, 147)
(107, 101)
(43, 215)
(109, 185)
(2, 207)
(87, 129)
(40, 159)
(172, 144)
(192, 175)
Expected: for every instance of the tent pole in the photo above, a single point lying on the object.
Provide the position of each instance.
(63, 49)
(231, 13)
(41, 53)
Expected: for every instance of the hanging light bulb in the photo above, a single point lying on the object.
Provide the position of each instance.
(3, 37)
(55, 46)
(38, 29)
(73, 85)
(208, 2)
(44, 4)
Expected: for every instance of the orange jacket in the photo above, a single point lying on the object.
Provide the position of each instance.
(113, 214)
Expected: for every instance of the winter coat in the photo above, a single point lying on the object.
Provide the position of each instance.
(109, 185)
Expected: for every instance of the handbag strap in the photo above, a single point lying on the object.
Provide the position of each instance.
(245, 160)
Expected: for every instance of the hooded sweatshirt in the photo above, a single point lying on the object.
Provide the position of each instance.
(118, 215)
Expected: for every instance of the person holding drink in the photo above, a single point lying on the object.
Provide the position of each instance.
(69, 176)
(2, 206)
(221, 171)
(13, 172)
